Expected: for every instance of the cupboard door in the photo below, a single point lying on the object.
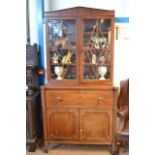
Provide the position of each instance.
(62, 124)
(96, 126)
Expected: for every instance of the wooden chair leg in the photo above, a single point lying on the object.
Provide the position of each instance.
(114, 148)
(118, 148)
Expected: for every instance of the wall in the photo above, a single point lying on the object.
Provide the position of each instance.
(121, 52)
(32, 21)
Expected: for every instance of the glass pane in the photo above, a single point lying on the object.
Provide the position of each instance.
(97, 48)
(90, 72)
(62, 41)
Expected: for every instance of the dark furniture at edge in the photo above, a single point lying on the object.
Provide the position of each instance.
(33, 101)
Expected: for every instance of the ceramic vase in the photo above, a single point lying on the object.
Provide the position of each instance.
(102, 70)
(59, 72)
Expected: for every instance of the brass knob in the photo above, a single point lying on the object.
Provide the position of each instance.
(100, 100)
(81, 129)
(58, 99)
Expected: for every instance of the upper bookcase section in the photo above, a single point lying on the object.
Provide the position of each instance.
(80, 45)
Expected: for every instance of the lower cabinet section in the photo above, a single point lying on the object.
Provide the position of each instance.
(79, 116)
(79, 125)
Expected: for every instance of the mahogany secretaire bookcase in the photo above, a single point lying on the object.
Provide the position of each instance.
(79, 99)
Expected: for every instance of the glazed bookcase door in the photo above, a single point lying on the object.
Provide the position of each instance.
(62, 49)
(97, 49)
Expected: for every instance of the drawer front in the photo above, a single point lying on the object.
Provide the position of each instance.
(80, 99)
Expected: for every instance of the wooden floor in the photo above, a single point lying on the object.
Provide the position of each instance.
(61, 149)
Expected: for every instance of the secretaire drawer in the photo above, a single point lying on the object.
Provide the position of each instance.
(79, 98)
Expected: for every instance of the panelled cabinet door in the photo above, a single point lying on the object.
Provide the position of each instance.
(62, 124)
(96, 126)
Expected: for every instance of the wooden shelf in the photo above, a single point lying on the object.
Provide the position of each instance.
(86, 48)
(97, 64)
(90, 33)
(68, 33)
(73, 48)
(60, 64)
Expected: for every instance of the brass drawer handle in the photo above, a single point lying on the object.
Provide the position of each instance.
(81, 130)
(100, 100)
(58, 99)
